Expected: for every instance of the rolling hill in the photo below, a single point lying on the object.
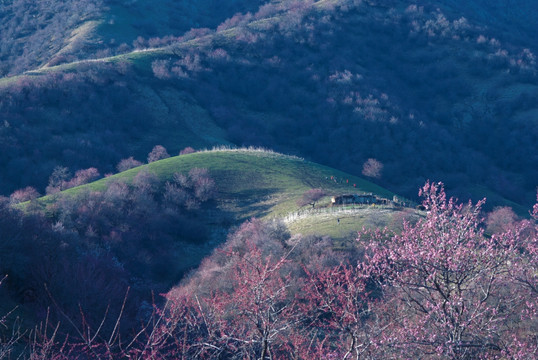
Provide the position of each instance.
(422, 89)
(250, 182)
(146, 227)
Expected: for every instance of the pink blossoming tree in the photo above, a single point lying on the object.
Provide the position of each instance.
(451, 290)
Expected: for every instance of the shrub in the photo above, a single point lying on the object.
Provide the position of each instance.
(187, 150)
(157, 153)
(160, 69)
(127, 164)
(22, 195)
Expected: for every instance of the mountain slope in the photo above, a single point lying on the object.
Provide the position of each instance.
(40, 34)
(33, 33)
(146, 227)
(425, 91)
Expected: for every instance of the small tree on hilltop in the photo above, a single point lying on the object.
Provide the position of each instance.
(187, 150)
(310, 197)
(127, 164)
(59, 177)
(81, 177)
(158, 153)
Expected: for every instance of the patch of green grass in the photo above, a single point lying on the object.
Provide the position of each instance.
(340, 223)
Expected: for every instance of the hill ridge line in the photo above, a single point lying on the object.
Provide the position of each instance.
(169, 49)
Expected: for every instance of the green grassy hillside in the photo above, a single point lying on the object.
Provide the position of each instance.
(158, 241)
(256, 183)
